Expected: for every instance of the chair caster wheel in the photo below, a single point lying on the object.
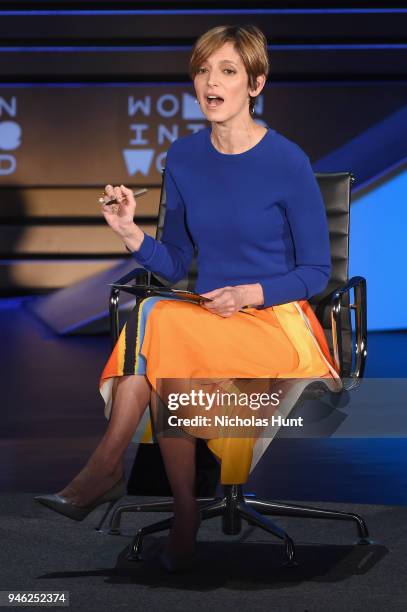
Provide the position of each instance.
(291, 563)
(134, 557)
(364, 542)
(114, 532)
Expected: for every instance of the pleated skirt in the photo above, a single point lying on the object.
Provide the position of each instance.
(171, 339)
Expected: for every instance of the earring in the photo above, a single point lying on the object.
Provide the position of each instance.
(196, 101)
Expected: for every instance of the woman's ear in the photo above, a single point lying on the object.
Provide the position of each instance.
(260, 80)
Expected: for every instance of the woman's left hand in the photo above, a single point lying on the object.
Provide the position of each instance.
(225, 301)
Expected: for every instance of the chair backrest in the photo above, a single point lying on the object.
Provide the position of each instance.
(336, 192)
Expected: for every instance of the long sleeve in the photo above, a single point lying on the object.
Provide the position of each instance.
(172, 256)
(306, 216)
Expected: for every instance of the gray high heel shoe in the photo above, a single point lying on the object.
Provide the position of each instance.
(60, 504)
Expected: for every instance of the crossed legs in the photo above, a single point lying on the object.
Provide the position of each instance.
(131, 395)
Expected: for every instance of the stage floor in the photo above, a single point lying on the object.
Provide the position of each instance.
(44, 551)
(53, 418)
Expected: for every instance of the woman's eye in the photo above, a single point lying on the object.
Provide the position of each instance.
(228, 70)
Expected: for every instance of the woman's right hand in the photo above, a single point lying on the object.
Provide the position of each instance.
(120, 216)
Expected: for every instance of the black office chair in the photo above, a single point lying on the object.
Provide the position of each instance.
(333, 310)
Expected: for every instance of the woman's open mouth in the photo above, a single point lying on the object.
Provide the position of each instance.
(214, 101)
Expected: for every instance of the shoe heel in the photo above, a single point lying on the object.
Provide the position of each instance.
(104, 517)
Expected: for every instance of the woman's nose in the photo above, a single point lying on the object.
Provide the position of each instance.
(211, 80)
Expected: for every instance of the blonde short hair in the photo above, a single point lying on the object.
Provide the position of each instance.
(249, 41)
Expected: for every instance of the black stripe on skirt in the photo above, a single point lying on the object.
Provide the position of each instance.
(131, 339)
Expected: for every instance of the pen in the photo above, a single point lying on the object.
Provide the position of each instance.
(114, 201)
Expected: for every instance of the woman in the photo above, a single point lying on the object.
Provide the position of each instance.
(246, 198)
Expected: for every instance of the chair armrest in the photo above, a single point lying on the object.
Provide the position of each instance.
(358, 284)
(139, 274)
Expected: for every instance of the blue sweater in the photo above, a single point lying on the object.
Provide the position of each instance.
(254, 217)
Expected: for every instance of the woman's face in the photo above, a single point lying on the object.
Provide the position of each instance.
(224, 75)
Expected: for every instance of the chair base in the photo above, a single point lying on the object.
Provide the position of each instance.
(233, 507)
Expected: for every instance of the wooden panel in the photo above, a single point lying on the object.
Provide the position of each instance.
(37, 274)
(64, 202)
(174, 28)
(164, 64)
(89, 133)
(62, 240)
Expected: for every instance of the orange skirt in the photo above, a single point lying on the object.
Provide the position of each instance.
(170, 339)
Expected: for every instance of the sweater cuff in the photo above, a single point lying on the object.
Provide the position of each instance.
(283, 289)
(146, 250)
